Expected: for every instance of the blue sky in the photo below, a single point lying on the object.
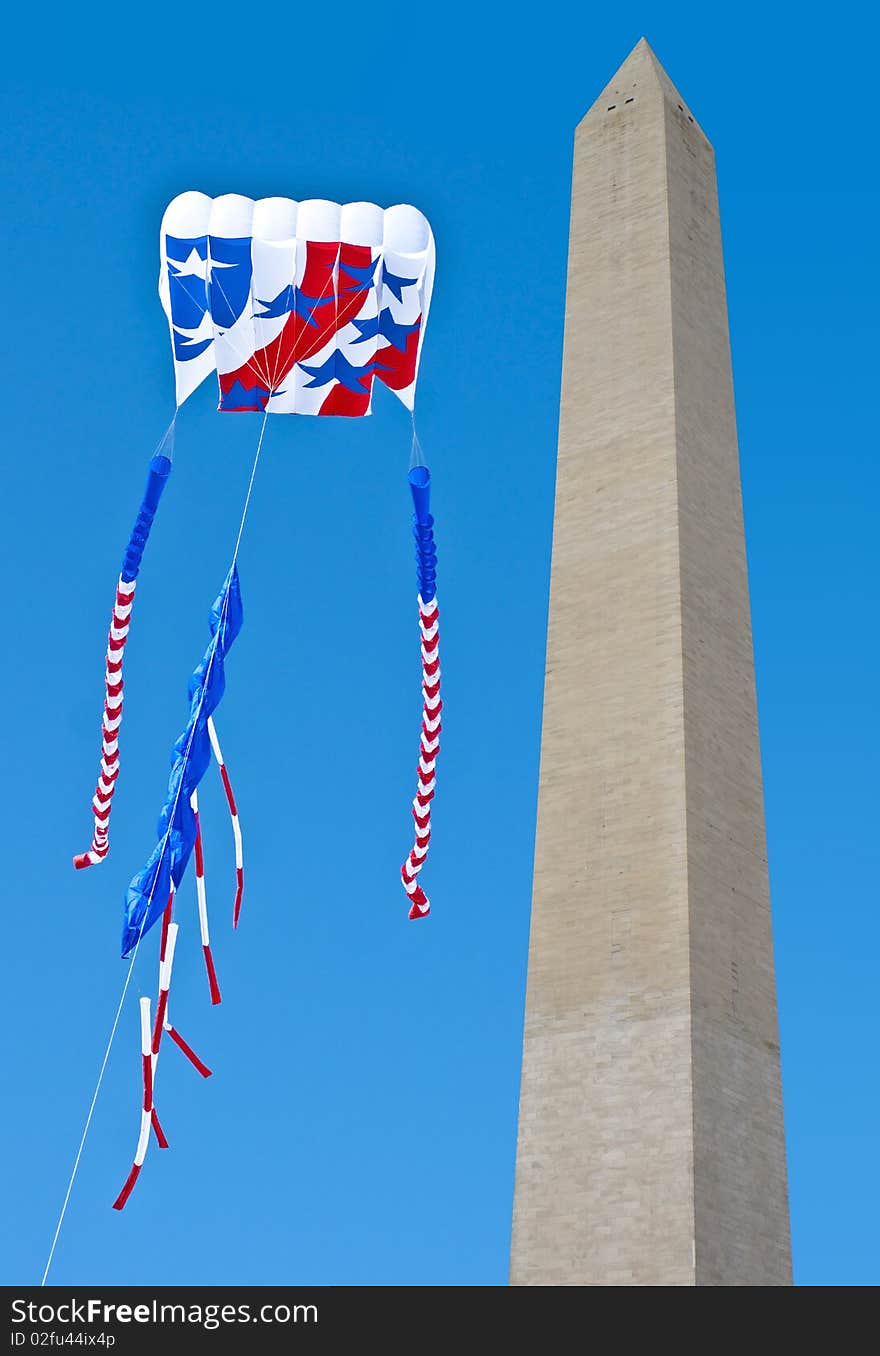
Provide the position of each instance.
(360, 1127)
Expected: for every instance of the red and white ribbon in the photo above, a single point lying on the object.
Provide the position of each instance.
(233, 814)
(173, 1033)
(166, 961)
(166, 956)
(103, 797)
(202, 898)
(187, 1050)
(151, 1040)
(429, 747)
(140, 1152)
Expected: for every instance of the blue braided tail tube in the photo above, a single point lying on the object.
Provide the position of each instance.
(423, 531)
(157, 478)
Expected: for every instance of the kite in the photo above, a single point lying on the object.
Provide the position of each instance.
(299, 308)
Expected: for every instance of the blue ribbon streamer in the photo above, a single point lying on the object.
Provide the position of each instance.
(147, 895)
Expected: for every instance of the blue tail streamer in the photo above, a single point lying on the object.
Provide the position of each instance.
(147, 895)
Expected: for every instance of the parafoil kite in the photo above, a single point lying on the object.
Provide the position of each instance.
(300, 308)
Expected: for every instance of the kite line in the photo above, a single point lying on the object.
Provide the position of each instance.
(134, 954)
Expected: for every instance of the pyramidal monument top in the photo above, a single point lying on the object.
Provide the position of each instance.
(640, 74)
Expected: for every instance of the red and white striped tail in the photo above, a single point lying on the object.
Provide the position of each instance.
(140, 1152)
(233, 814)
(202, 898)
(191, 1055)
(429, 747)
(103, 798)
(166, 961)
(151, 1040)
(164, 986)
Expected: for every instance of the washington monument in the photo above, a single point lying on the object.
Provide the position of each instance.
(651, 1148)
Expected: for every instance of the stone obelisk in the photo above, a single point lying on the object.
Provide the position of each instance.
(651, 1148)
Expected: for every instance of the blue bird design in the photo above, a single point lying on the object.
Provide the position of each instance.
(337, 365)
(396, 284)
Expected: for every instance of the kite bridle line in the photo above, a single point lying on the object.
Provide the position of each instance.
(416, 455)
(332, 281)
(166, 442)
(271, 383)
(165, 841)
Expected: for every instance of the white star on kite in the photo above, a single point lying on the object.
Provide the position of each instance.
(191, 267)
(205, 330)
(214, 264)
